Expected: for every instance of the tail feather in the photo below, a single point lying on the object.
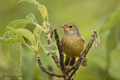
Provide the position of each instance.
(70, 63)
(68, 60)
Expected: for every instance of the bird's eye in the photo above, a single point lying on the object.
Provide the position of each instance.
(70, 26)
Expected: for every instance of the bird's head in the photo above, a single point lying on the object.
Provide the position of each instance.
(70, 29)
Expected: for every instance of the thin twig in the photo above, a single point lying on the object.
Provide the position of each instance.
(54, 56)
(78, 62)
(60, 50)
(50, 69)
(45, 70)
(51, 35)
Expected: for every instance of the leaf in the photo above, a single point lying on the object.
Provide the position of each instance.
(115, 64)
(11, 36)
(26, 33)
(110, 21)
(111, 25)
(30, 1)
(20, 23)
(37, 31)
(43, 10)
(111, 42)
(15, 55)
(31, 17)
(49, 48)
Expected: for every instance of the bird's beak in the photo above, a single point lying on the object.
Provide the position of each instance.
(62, 26)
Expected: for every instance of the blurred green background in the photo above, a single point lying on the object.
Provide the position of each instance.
(87, 15)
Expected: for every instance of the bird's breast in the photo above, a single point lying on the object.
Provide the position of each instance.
(72, 46)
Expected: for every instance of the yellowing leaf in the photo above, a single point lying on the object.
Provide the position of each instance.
(11, 36)
(31, 17)
(42, 9)
(24, 32)
(20, 23)
(30, 1)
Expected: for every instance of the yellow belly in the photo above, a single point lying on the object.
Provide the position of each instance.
(72, 46)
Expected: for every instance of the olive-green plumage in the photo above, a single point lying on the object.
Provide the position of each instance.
(72, 42)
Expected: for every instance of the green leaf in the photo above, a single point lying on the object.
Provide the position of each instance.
(111, 26)
(110, 21)
(49, 48)
(43, 10)
(15, 55)
(111, 42)
(11, 36)
(31, 17)
(37, 31)
(20, 23)
(115, 64)
(30, 1)
(26, 33)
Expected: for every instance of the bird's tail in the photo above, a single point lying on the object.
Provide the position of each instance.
(71, 61)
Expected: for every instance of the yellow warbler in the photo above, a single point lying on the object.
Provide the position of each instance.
(72, 43)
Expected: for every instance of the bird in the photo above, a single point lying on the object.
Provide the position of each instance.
(72, 43)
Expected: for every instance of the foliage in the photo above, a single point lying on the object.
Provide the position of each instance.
(17, 33)
(85, 13)
(112, 28)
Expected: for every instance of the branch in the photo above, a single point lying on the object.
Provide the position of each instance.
(60, 50)
(45, 70)
(83, 55)
(51, 77)
(60, 63)
(54, 56)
